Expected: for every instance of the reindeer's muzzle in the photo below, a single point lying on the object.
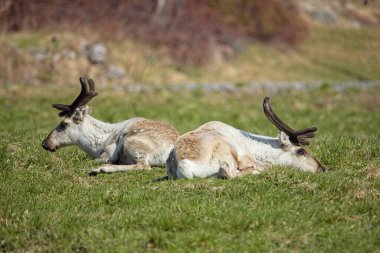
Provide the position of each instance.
(47, 145)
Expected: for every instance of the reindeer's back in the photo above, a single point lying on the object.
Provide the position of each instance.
(153, 130)
(196, 144)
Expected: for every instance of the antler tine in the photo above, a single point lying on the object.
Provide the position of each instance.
(83, 98)
(274, 118)
(89, 93)
(297, 137)
(82, 95)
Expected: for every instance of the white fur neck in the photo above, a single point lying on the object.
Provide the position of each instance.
(93, 135)
(266, 150)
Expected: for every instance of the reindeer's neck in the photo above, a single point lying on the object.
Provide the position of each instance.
(266, 150)
(94, 135)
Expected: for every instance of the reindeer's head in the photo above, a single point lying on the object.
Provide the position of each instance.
(71, 127)
(292, 141)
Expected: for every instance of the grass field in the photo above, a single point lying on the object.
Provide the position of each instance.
(48, 202)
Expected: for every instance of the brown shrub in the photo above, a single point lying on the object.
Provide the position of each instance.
(191, 32)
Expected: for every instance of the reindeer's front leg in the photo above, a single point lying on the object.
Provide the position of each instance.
(110, 168)
(132, 152)
(111, 151)
(103, 158)
(247, 165)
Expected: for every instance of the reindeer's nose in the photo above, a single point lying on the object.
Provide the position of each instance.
(45, 145)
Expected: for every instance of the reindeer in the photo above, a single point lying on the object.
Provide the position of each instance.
(134, 144)
(216, 149)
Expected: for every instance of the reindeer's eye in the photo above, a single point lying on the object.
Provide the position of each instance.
(301, 151)
(63, 125)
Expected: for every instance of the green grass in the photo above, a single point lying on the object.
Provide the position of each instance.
(49, 203)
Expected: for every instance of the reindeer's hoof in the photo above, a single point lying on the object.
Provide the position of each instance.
(94, 172)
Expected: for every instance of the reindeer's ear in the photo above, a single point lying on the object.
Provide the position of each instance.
(88, 109)
(285, 142)
(80, 113)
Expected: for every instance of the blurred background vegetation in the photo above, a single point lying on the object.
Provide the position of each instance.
(46, 42)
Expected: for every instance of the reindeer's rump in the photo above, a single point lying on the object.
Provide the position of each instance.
(148, 141)
(193, 145)
(202, 153)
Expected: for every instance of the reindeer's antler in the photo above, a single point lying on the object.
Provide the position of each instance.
(297, 137)
(83, 98)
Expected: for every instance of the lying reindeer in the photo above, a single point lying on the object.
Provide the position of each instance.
(133, 144)
(216, 149)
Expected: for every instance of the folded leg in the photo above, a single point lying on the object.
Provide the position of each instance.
(110, 168)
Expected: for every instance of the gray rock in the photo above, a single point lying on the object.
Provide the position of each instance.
(215, 87)
(115, 72)
(139, 88)
(96, 53)
(324, 15)
(68, 53)
(269, 87)
(38, 54)
(32, 81)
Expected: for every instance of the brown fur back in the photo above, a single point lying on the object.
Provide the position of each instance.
(155, 128)
(190, 145)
